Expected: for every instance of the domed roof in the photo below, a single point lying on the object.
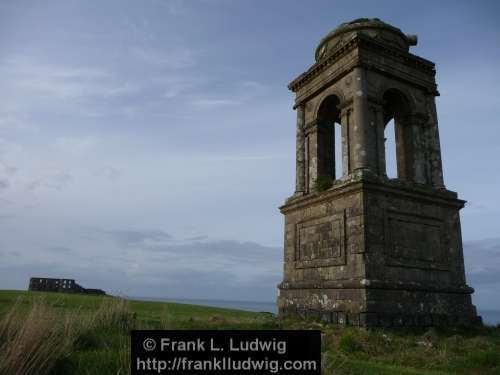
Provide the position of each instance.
(371, 27)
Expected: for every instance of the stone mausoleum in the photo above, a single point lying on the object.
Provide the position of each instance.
(362, 248)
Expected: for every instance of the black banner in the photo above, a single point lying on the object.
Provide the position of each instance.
(226, 352)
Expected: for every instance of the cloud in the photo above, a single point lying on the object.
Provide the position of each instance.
(174, 7)
(176, 84)
(174, 56)
(52, 179)
(59, 249)
(482, 261)
(6, 202)
(240, 93)
(108, 172)
(203, 264)
(153, 263)
(8, 169)
(76, 146)
(254, 88)
(209, 104)
(198, 238)
(10, 121)
(131, 238)
(31, 77)
(4, 184)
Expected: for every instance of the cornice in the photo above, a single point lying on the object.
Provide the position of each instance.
(422, 193)
(356, 42)
(321, 65)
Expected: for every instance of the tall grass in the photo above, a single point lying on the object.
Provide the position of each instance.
(31, 342)
(82, 335)
(36, 340)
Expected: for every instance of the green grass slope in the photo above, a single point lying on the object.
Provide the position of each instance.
(82, 334)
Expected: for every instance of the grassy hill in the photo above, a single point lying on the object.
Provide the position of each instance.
(50, 333)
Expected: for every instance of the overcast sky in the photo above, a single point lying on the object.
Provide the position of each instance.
(145, 146)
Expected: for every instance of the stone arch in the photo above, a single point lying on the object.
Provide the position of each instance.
(328, 109)
(398, 106)
(402, 90)
(332, 91)
(327, 117)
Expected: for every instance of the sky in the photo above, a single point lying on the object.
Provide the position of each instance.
(145, 146)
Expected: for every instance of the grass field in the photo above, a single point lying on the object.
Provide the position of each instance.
(50, 333)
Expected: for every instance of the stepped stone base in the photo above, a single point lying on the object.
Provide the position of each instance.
(388, 308)
(385, 320)
(373, 252)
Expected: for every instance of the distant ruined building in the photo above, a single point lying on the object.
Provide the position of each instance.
(44, 284)
(361, 248)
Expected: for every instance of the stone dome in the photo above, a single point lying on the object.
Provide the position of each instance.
(371, 27)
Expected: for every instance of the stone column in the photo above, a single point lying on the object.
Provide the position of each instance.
(436, 167)
(300, 181)
(404, 147)
(427, 136)
(345, 116)
(311, 131)
(377, 128)
(419, 146)
(362, 142)
(306, 164)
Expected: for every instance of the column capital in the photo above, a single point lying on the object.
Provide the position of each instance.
(346, 111)
(300, 116)
(346, 103)
(299, 106)
(311, 127)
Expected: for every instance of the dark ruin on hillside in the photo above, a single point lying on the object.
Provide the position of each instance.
(362, 248)
(45, 284)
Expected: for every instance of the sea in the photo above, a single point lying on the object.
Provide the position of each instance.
(490, 317)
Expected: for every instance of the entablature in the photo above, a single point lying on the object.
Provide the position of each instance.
(358, 52)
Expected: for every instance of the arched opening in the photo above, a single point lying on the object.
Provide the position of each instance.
(397, 135)
(391, 164)
(329, 139)
(338, 151)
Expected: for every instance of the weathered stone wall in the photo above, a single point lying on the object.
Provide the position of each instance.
(375, 252)
(323, 237)
(413, 234)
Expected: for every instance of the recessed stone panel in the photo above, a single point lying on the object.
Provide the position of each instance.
(320, 242)
(414, 241)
